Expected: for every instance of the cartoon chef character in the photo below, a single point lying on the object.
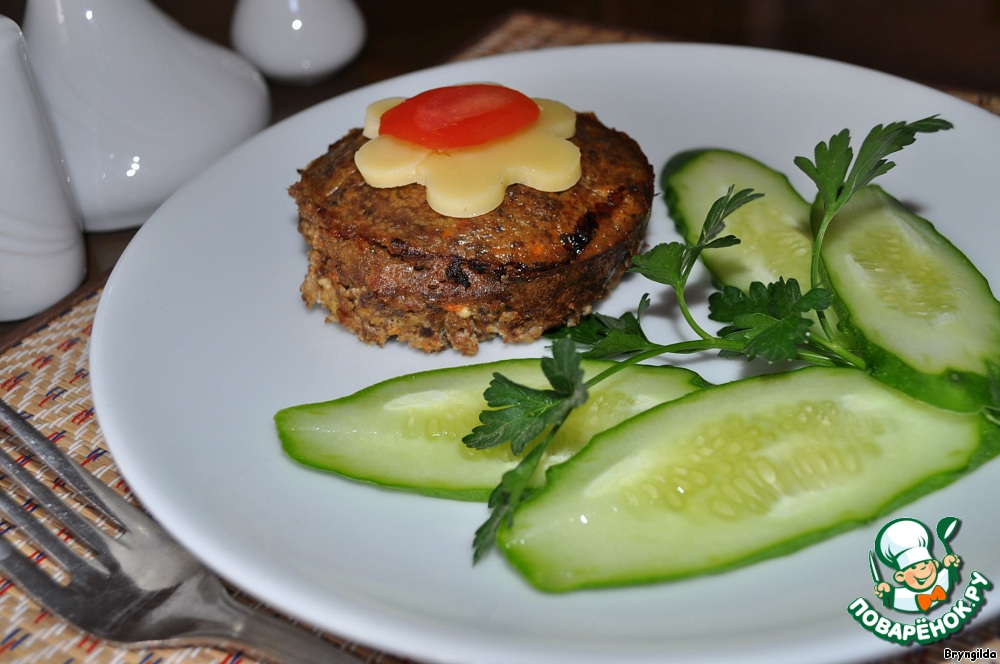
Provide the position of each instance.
(905, 545)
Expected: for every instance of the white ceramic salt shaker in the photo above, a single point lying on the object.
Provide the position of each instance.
(42, 257)
(139, 104)
(298, 41)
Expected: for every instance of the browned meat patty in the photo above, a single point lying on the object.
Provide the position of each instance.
(386, 265)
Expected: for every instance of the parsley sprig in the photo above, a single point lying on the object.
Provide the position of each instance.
(770, 321)
(520, 415)
(838, 175)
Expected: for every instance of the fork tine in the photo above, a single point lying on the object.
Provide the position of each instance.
(34, 488)
(154, 592)
(36, 530)
(36, 583)
(98, 494)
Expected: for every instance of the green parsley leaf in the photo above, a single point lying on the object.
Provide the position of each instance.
(776, 339)
(715, 219)
(507, 495)
(829, 171)
(621, 342)
(770, 320)
(779, 299)
(883, 141)
(520, 416)
(565, 374)
(671, 263)
(622, 335)
(590, 329)
(607, 336)
(835, 177)
(664, 263)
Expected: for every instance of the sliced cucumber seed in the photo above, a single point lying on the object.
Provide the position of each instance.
(912, 283)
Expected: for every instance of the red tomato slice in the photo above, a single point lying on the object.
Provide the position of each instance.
(459, 116)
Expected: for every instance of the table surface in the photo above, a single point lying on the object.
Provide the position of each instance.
(47, 356)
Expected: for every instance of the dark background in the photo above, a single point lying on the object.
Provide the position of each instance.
(942, 42)
(945, 43)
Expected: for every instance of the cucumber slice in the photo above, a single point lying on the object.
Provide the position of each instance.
(924, 317)
(735, 474)
(406, 433)
(774, 231)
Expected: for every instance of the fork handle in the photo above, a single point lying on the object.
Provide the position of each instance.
(260, 635)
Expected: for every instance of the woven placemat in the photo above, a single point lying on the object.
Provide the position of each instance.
(45, 375)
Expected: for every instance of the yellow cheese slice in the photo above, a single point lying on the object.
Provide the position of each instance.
(470, 181)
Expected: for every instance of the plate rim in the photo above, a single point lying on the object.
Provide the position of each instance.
(112, 284)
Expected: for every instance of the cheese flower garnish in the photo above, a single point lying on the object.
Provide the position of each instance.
(471, 180)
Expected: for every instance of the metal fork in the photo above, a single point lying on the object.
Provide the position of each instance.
(139, 587)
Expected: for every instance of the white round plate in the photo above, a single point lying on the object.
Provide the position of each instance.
(201, 336)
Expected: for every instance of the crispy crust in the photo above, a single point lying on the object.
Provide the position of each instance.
(386, 265)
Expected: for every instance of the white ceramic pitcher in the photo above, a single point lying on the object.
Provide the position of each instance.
(42, 256)
(140, 104)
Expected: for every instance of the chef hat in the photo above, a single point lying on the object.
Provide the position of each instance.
(903, 542)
